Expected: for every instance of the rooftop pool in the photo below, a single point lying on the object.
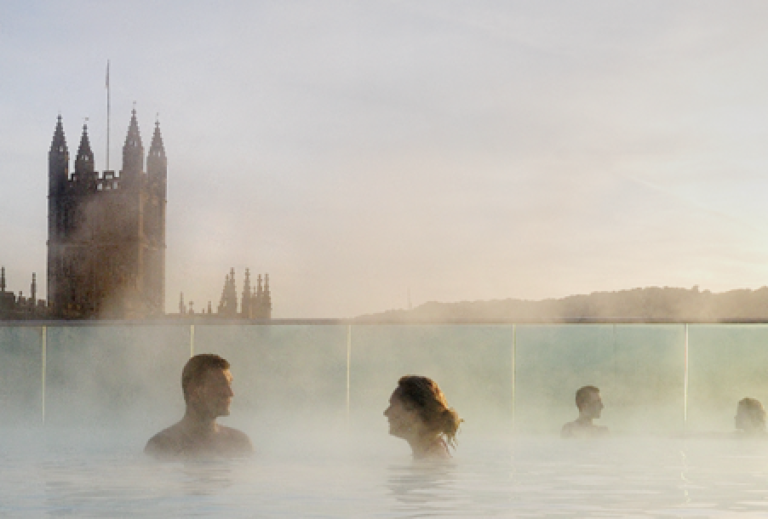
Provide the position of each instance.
(79, 401)
(495, 477)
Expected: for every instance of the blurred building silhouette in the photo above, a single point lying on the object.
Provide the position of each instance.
(20, 307)
(255, 302)
(106, 233)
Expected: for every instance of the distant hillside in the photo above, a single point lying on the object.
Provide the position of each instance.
(640, 303)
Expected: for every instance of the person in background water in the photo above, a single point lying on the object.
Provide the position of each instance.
(590, 407)
(750, 417)
(207, 386)
(418, 413)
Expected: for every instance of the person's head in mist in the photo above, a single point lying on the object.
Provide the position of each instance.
(589, 402)
(419, 413)
(590, 406)
(207, 385)
(750, 416)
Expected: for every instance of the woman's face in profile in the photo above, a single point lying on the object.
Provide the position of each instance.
(403, 422)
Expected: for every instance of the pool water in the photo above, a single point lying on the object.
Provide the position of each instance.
(72, 475)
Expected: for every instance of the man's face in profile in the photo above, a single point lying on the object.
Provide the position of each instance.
(593, 407)
(213, 395)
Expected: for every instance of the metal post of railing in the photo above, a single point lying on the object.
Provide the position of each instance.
(191, 340)
(349, 367)
(514, 375)
(43, 362)
(685, 380)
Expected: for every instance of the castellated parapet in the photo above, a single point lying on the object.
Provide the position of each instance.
(106, 232)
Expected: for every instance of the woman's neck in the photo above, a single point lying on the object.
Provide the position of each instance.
(431, 446)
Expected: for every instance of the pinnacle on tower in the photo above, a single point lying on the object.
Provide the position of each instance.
(59, 142)
(157, 149)
(267, 298)
(33, 289)
(157, 164)
(245, 305)
(2, 280)
(58, 161)
(232, 295)
(223, 301)
(133, 150)
(84, 160)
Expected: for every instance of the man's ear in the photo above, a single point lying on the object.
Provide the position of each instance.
(193, 393)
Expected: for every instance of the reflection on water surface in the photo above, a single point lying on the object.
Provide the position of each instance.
(627, 477)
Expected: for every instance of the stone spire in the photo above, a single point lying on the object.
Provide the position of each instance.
(133, 150)
(157, 164)
(2, 280)
(223, 301)
(245, 304)
(59, 142)
(228, 304)
(267, 298)
(258, 297)
(58, 161)
(33, 289)
(84, 159)
(232, 295)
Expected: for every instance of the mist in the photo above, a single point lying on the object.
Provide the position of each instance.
(319, 386)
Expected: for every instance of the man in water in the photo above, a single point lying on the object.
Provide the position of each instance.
(750, 418)
(590, 406)
(207, 386)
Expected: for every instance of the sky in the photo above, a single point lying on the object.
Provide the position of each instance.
(368, 155)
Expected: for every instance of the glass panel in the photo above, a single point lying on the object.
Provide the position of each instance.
(726, 363)
(116, 374)
(471, 363)
(647, 390)
(20, 375)
(638, 368)
(284, 376)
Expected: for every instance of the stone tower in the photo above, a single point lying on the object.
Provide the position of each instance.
(106, 233)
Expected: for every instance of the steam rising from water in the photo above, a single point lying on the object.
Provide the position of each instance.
(108, 388)
(294, 378)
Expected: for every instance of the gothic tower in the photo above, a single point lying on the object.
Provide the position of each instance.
(106, 234)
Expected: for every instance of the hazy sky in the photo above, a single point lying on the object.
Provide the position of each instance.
(358, 150)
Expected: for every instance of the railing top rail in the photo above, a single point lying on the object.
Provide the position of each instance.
(207, 321)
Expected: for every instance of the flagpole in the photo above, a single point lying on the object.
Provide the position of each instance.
(107, 115)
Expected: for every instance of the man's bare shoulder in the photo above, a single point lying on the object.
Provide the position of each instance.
(168, 443)
(568, 430)
(174, 443)
(237, 441)
(578, 429)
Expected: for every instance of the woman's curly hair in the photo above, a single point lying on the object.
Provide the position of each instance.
(423, 395)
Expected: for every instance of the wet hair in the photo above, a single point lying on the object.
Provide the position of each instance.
(755, 412)
(423, 395)
(196, 368)
(582, 395)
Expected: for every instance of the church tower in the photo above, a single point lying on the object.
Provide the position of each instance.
(106, 234)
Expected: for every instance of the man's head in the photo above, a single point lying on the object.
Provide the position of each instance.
(589, 402)
(750, 415)
(206, 383)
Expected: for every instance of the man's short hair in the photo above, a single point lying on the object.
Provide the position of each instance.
(196, 368)
(582, 395)
(755, 411)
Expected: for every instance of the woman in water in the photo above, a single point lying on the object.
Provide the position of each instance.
(750, 417)
(418, 413)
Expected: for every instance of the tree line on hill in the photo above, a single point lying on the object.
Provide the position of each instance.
(651, 303)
